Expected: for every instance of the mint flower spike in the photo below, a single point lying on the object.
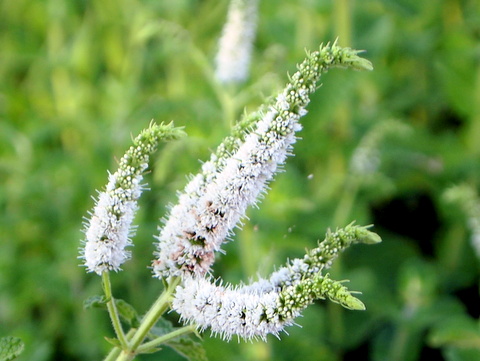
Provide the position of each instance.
(232, 61)
(269, 305)
(215, 200)
(109, 230)
(319, 258)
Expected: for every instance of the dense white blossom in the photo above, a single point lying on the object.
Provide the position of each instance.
(269, 305)
(232, 61)
(211, 207)
(215, 200)
(109, 230)
(228, 311)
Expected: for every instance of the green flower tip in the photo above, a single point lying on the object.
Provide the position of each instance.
(368, 237)
(357, 62)
(348, 56)
(360, 234)
(355, 304)
(163, 131)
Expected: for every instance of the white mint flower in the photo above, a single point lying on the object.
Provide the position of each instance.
(109, 230)
(268, 306)
(235, 45)
(216, 199)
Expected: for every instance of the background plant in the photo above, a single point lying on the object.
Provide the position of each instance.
(78, 78)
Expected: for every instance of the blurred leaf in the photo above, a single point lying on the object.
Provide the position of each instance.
(461, 354)
(125, 310)
(113, 341)
(127, 313)
(457, 330)
(95, 302)
(10, 348)
(183, 345)
(190, 349)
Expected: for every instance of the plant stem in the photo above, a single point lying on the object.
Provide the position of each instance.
(162, 339)
(343, 21)
(342, 213)
(115, 352)
(113, 355)
(347, 200)
(112, 309)
(153, 314)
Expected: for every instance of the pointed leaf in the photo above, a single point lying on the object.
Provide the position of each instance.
(183, 345)
(113, 341)
(188, 348)
(127, 312)
(95, 302)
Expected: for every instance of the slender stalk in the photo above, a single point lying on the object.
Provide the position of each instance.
(113, 354)
(347, 200)
(153, 314)
(112, 309)
(165, 338)
(342, 213)
(343, 20)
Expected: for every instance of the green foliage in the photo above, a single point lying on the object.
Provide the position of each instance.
(78, 78)
(186, 346)
(10, 348)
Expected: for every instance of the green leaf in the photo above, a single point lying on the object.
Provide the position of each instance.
(127, 313)
(459, 331)
(125, 310)
(188, 348)
(10, 348)
(162, 327)
(113, 341)
(95, 302)
(183, 345)
(461, 354)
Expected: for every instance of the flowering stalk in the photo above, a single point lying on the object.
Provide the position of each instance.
(268, 306)
(214, 201)
(235, 45)
(109, 229)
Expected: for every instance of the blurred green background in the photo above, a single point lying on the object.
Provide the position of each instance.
(78, 78)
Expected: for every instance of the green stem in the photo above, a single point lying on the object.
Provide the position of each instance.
(224, 94)
(345, 205)
(153, 314)
(112, 309)
(400, 340)
(147, 346)
(341, 215)
(343, 22)
(113, 355)
(115, 352)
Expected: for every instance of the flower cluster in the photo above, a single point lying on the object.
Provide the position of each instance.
(235, 45)
(109, 229)
(269, 305)
(214, 201)
(210, 207)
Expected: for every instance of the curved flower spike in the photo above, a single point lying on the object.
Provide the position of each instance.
(109, 229)
(317, 259)
(215, 201)
(268, 306)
